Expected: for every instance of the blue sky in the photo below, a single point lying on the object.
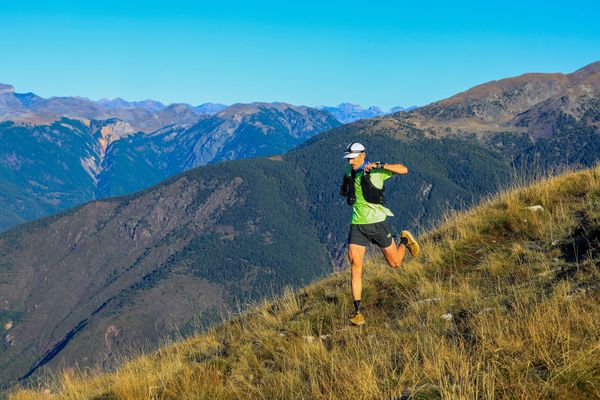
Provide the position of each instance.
(309, 52)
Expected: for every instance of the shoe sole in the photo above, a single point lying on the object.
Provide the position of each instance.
(413, 245)
(357, 323)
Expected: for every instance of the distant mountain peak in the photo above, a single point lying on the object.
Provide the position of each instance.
(255, 107)
(209, 108)
(348, 112)
(117, 102)
(5, 88)
(177, 106)
(587, 71)
(375, 109)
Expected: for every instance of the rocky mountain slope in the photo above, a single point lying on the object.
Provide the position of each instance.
(535, 104)
(502, 303)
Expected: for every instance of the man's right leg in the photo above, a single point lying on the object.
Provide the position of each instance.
(356, 256)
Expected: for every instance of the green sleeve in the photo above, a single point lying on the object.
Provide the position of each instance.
(378, 176)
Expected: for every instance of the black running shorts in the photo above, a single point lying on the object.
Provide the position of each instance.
(365, 234)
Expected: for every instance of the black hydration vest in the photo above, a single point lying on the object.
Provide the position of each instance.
(371, 193)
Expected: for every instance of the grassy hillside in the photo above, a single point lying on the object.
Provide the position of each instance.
(503, 303)
(180, 252)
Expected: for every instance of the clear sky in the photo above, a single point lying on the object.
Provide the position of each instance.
(306, 52)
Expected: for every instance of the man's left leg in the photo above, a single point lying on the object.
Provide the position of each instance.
(394, 255)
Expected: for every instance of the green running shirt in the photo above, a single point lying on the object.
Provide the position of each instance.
(364, 212)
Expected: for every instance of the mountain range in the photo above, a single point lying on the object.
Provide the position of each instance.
(154, 105)
(49, 168)
(131, 269)
(146, 116)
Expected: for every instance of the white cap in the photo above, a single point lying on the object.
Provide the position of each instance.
(354, 149)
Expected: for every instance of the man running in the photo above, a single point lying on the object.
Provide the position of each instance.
(363, 188)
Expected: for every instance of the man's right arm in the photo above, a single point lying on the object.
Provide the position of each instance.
(396, 168)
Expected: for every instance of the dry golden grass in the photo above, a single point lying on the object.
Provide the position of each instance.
(525, 320)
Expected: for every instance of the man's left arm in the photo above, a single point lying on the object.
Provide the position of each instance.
(395, 168)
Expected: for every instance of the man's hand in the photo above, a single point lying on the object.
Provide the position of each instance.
(369, 167)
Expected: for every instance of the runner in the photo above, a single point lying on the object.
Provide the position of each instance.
(363, 189)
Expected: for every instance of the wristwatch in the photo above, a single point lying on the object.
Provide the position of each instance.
(379, 165)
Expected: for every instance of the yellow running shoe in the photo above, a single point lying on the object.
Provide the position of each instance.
(357, 319)
(412, 244)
